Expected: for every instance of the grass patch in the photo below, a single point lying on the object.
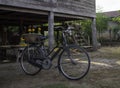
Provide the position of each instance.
(56, 86)
(106, 52)
(99, 76)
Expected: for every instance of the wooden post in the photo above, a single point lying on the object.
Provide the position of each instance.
(94, 34)
(1, 34)
(21, 27)
(51, 30)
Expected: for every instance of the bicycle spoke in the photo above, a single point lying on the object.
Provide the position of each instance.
(27, 61)
(75, 65)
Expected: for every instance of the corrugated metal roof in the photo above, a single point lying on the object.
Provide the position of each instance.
(112, 13)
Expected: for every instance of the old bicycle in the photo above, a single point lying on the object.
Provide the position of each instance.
(73, 61)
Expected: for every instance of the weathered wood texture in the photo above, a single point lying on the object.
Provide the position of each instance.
(72, 7)
(94, 34)
(51, 30)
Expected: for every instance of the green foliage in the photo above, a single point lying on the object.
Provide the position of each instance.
(115, 31)
(56, 86)
(101, 22)
(116, 19)
(101, 25)
(86, 28)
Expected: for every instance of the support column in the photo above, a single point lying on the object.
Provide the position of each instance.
(21, 27)
(51, 30)
(94, 34)
(1, 34)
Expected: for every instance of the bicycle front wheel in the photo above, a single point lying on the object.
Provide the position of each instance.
(74, 62)
(28, 60)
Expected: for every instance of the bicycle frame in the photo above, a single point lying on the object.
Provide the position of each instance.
(54, 53)
(60, 48)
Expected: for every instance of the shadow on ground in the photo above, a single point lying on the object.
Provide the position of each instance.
(104, 73)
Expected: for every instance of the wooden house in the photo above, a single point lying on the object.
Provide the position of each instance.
(25, 12)
(112, 32)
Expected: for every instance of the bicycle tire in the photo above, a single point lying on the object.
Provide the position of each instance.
(27, 67)
(78, 66)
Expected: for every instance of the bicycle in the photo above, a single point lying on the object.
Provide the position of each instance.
(73, 61)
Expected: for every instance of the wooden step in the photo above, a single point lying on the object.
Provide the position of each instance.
(88, 48)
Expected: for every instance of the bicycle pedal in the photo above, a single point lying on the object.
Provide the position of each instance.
(56, 66)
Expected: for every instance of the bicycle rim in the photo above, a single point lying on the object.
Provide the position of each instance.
(27, 67)
(74, 63)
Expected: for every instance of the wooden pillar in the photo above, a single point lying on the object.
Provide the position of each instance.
(51, 30)
(1, 34)
(94, 34)
(4, 40)
(21, 27)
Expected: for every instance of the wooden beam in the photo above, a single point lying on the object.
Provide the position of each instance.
(25, 10)
(94, 34)
(51, 30)
(24, 18)
(69, 16)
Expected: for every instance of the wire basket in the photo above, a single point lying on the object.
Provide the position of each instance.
(32, 38)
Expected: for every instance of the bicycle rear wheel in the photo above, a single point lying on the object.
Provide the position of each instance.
(28, 60)
(74, 62)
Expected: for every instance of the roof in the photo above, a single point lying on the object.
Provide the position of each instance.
(112, 13)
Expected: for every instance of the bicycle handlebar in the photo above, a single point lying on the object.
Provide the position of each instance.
(65, 30)
(59, 28)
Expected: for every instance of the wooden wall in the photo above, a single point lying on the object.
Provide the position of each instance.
(73, 7)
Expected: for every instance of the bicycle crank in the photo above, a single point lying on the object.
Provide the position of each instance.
(46, 64)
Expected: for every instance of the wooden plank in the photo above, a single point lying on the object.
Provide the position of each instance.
(94, 34)
(73, 7)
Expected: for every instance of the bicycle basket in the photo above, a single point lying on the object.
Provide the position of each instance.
(31, 38)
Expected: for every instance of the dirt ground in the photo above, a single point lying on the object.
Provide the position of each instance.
(104, 73)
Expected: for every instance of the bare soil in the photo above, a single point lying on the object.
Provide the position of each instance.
(104, 73)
